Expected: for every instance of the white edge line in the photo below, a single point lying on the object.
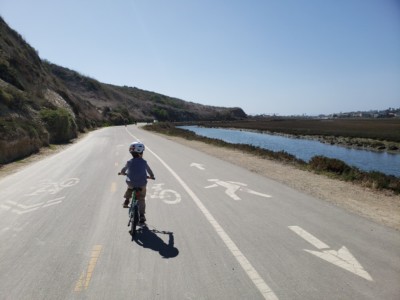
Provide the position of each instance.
(264, 289)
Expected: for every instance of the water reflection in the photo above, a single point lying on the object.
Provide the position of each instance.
(305, 149)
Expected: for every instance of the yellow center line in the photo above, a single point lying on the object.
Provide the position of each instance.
(113, 187)
(84, 279)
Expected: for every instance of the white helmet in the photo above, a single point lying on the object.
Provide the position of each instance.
(136, 147)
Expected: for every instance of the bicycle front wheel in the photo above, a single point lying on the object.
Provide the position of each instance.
(135, 220)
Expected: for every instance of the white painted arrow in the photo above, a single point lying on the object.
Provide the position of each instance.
(23, 209)
(199, 166)
(342, 258)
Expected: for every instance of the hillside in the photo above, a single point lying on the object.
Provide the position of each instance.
(42, 103)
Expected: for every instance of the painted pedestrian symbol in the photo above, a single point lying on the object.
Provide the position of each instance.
(232, 187)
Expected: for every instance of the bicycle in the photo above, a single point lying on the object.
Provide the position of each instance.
(134, 211)
(134, 208)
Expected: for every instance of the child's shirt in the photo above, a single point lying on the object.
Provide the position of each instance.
(136, 171)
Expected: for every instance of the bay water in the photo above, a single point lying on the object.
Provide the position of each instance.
(305, 149)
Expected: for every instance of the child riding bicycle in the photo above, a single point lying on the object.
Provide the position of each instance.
(136, 170)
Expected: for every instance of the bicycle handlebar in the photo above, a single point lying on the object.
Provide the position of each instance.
(148, 177)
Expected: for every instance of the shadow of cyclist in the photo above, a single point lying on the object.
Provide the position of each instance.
(149, 239)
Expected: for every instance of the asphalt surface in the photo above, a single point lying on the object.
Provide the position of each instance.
(214, 231)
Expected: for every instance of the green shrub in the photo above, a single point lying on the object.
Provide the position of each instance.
(379, 181)
(6, 98)
(331, 165)
(116, 118)
(60, 124)
(8, 75)
(160, 113)
(14, 99)
(20, 137)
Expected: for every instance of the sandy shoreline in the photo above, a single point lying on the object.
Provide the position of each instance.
(381, 207)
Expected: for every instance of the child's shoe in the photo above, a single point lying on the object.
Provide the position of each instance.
(142, 219)
(126, 203)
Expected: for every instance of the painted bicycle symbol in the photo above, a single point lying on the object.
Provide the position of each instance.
(166, 195)
(50, 187)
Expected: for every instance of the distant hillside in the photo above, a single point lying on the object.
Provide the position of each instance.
(42, 103)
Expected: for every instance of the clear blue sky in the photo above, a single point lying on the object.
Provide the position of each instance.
(272, 56)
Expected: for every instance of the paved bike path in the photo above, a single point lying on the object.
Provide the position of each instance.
(215, 231)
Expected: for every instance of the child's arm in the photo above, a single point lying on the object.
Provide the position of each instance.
(123, 170)
(150, 171)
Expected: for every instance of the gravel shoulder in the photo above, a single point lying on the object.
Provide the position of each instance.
(380, 207)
